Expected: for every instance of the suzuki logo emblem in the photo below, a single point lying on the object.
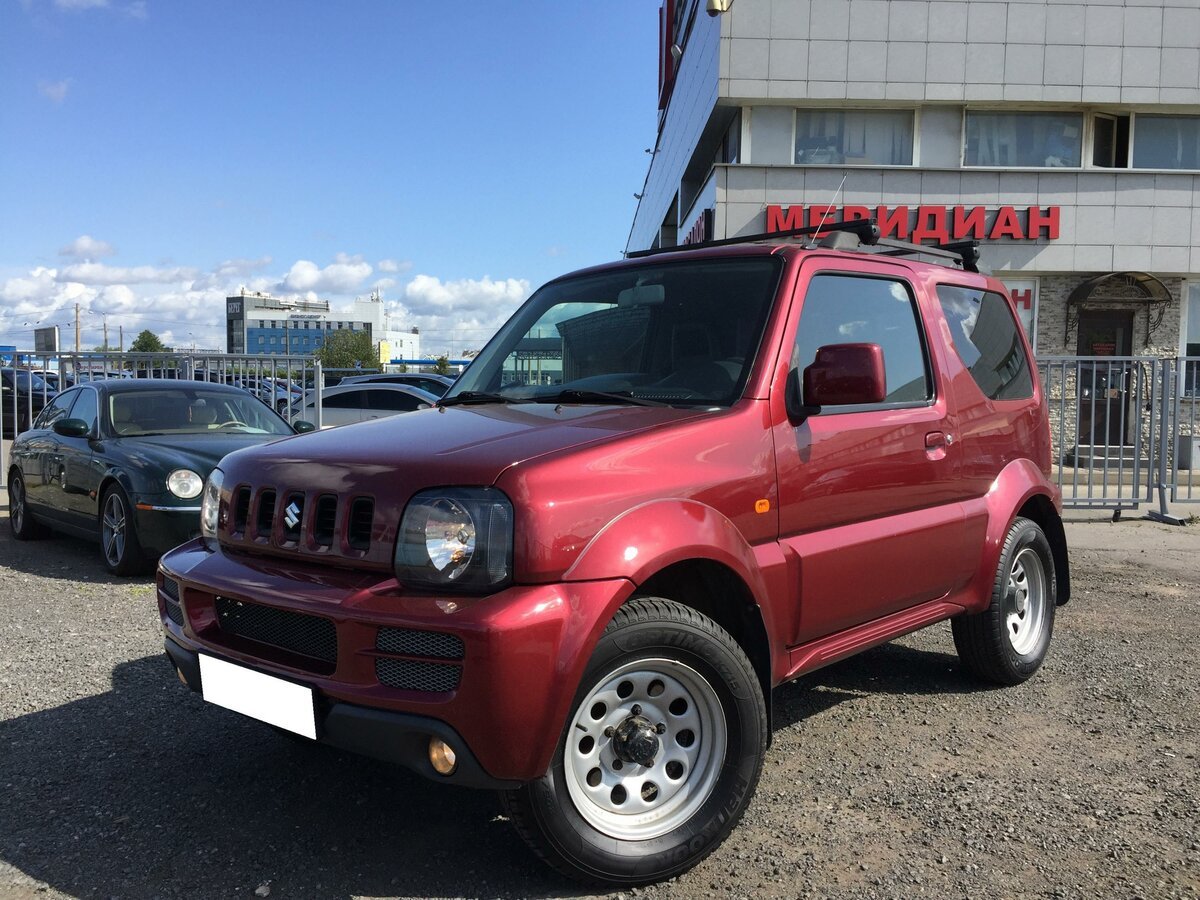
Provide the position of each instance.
(291, 515)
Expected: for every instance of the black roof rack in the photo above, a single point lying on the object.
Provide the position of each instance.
(861, 233)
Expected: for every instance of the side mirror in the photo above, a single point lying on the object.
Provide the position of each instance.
(300, 426)
(846, 374)
(841, 375)
(72, 428)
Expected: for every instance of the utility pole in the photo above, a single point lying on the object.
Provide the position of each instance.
(76, 327)
(106, 334)
(121, 332)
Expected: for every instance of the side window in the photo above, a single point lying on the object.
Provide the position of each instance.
(87, 408)
(852, 309)
(394, 401)
(348, 400)
(56, 409)
(988, 341)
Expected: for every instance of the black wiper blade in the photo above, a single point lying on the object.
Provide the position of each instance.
(464, 397)
(576, 396)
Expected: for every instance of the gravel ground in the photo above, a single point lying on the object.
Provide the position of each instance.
(891, 775)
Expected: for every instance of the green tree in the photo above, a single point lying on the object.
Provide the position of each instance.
(442, 365)
(147, 342)
(346, 349)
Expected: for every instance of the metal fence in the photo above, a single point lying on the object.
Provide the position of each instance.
(291, 385)
(1125, 430)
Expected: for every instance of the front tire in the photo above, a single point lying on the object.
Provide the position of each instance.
(119, 542)
(21, 522)
(1007, 642)
(660, 756)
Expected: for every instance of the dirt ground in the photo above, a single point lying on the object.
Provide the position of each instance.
(891, 775)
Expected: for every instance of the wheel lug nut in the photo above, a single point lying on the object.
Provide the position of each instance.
(609, 731)
(637, 709)
(618, 765)
(661, 728)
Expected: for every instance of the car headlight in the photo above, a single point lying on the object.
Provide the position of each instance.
(456, 539)
(210, 506)
(185, 484)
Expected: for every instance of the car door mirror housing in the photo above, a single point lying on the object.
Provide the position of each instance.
(303, 427)
(72, 428)
(845, 375)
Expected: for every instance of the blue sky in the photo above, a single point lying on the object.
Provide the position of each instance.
(155, 154)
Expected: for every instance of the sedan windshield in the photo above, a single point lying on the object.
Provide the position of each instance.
(191, 411)
(681, 334)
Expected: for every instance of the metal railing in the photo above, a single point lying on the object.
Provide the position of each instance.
(32, 379)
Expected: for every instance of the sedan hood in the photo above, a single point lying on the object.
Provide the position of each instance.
(159, 454)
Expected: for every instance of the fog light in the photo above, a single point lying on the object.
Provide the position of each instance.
(441, 757)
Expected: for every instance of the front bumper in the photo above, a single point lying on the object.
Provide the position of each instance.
(522, 654)
(391, 736)
(161, 526)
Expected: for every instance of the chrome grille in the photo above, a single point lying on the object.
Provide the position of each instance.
(409, 642)
(409, 675)
(299, 633)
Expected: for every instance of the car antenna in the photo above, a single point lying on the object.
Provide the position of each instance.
(812, 243)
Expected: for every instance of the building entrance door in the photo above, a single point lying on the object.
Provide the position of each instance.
(1104, 418)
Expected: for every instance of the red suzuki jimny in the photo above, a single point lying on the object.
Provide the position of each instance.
(666, 486)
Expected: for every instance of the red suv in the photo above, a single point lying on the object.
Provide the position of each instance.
(665, 487)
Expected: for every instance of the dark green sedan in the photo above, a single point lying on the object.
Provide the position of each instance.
(124, 462)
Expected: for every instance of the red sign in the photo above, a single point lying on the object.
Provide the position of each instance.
(939, 223)
(702, 230)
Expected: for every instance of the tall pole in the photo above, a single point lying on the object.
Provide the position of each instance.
(76, 327)
(121, 332)
(106, 334)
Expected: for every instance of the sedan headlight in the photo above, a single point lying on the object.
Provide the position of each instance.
(456, 539)
(210, 506)
(185, 484)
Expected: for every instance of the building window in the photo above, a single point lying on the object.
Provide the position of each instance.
(1033, 140)
(731, 144)
(847, 137)
(261, 340)
(1166, 142)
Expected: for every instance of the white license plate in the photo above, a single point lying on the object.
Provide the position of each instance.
(258, 695)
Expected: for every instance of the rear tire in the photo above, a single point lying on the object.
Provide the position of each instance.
(1007, 642)
(660, 756)
(21, 522)
(119, 542)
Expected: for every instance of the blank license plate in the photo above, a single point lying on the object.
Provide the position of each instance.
(258, 695)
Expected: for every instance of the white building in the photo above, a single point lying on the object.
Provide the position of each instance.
(1065, 136)
(257, 323)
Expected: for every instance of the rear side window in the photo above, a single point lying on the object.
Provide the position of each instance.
(988, 341)
(394, 401)
(348, 400)
(850, 309)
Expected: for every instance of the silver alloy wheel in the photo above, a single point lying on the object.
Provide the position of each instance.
(112, 529)
(16, 500)
(645, 749)
(1025, 601)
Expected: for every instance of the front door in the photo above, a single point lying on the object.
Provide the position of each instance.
(1103, 391)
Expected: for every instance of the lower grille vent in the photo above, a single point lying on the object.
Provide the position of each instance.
(299, 633)
(407, 675)
(407, 642)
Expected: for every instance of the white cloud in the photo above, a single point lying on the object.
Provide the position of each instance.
(87, 247)
(81, 4)
(458, 315)
(55, 91)
(93, 273)
(343, 276)
(393, 266)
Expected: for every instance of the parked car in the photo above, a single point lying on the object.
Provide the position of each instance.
(24, 393)
(275, 392)
(432, 383)
(347, 404)
(578, 582)
(124, 461)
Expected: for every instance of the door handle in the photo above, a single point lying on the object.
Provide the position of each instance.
(936, 439)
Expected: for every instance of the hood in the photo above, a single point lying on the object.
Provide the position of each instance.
(157, 454)
(457, 445)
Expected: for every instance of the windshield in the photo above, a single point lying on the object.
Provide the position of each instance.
(682, 334)
(196, 410)
(26, 379)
